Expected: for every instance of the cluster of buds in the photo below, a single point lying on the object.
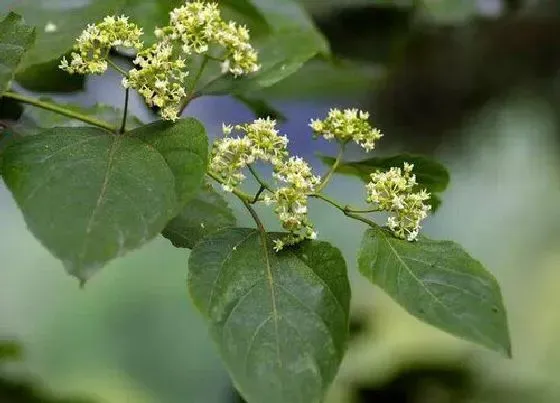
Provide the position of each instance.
(347, 125)
(298, 182)
(260, 141)
(195, 28)
(93, 45)
(395, 191)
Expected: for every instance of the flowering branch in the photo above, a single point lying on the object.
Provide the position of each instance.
(161, 69)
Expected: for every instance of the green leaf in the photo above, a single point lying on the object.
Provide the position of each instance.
(286, 15)
(291, 41)
(15, 40)
(89, 196)
(184, 145)
(59, 24)
(244, 12)
(205, 214)
(36, 120)
(47, 77)
(150, 14)
(280, 55)
(430, 174)
(345, 78)
(439, 283)
(280, 319)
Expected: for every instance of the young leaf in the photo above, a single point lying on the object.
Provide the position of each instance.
(184, 145)
(280, 319)
(430, 174)
(15, 39)
(89, 196)
(203, 215)
(438, 282)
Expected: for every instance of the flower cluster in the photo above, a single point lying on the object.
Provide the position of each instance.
(199, 25)
(347, 125)
(394, 191)
(159, 79)
(261, 141)
(195, 28)
(298, 182)
(95, 42)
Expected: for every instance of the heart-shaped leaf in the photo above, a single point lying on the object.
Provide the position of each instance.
(280, 319)
(438, 282)
(89, 196)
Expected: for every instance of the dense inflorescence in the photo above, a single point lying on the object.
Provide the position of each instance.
(196, 28)
(93, 45)
(395, 191)
(261, 141)
(347, 125)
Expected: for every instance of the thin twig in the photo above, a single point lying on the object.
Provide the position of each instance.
(346, 210)
(331, 171)
(255, 216)
(258, 194)
(117, 67)
(235, 191)
(125, 114)
(192, 93)
(60, 110)
(260, 180)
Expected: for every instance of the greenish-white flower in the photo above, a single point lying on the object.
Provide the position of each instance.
(297, 181)
(159, 78)
(347, 125)
(395, 191)
(260, 141)
(94, 43)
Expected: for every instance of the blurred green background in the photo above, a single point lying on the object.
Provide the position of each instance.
(474, 84)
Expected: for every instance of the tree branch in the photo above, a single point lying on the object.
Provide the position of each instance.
(60, 110)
